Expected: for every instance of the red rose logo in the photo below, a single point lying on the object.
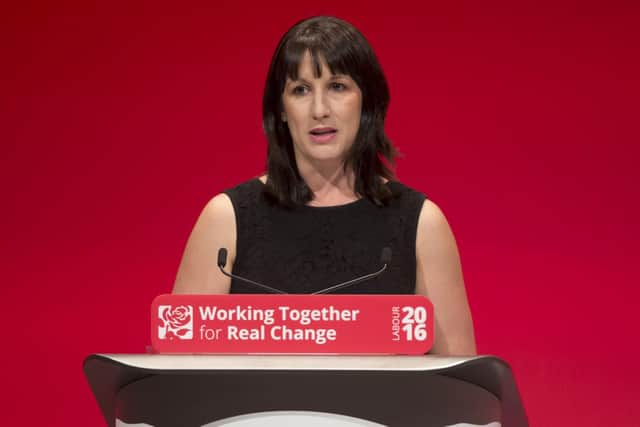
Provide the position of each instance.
(177, 322)
(176, 318)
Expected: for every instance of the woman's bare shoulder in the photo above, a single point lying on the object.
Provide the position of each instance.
(219, 207)
(431, 219)
(214, 229)
(439, 277)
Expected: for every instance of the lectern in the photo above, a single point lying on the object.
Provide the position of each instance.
(306, 390)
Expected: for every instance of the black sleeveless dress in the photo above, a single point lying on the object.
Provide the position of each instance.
(307, 249)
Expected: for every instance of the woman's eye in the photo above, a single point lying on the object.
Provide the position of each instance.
(299, 90)
(338, 86)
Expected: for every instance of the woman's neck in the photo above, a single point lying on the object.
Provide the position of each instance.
(330, 187)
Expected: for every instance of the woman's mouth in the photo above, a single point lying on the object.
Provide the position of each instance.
(322, 134)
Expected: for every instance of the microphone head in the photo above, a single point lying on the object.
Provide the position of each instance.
(385, 257)
(222, 257)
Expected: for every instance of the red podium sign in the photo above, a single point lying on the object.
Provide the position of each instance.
(336, 324)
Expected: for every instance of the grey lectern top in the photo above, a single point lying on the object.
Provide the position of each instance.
(274, 390)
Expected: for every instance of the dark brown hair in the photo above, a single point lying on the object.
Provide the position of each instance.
(345, 51)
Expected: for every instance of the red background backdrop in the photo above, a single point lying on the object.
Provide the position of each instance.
(119, 122)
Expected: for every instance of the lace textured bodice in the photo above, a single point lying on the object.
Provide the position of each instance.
(306, 249)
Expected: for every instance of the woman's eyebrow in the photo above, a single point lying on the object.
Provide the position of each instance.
(294, 81)
(333, 77)
(339, 76)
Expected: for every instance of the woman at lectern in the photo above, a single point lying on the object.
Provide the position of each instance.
(329, 204)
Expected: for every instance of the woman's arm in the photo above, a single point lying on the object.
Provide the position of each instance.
(216, 228)
(439, 278)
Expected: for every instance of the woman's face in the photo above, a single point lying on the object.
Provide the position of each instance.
(323, 114)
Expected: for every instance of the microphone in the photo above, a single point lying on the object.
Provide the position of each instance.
(385, 259)
(222, 261)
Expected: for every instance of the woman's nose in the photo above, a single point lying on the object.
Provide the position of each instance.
(320, 107)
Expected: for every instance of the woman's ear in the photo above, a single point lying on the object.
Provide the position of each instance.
(283, 116)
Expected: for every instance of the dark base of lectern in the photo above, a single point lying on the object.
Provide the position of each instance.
(193, 391)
